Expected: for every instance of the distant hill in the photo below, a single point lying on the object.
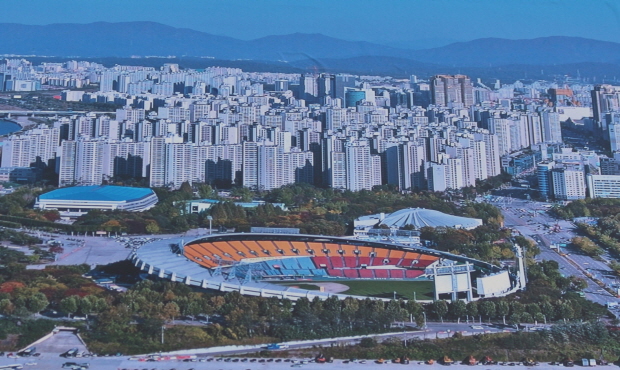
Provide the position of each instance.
(533, 58)
(541, 51)
(103, 39)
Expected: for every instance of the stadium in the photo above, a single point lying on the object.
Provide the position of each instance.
(77, 200)
(293, 266)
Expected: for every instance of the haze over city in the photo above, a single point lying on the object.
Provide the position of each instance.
(321, 184)
(411, 24)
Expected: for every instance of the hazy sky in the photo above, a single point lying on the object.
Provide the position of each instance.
(414, 23)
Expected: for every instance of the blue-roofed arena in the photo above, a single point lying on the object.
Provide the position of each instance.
(77, 200)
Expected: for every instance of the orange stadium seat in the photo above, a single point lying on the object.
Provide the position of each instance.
(332, 248)
(269, 247)
(381, 253)
(194, 254)
(397, 254)
(349, 250)
(203, 248)
(302, 247)
(228, 251)
(317, 248)
(286, 247)
(238, 246)
(364, 251)
(253, 246)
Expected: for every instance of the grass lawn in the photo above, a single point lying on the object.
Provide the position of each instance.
(386, 288)
(376, 288)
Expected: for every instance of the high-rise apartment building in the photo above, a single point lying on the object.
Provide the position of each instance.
(569, 181)
(447, 90)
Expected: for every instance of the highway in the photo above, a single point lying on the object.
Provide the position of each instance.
(532, 220)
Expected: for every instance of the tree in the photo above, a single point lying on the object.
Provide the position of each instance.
(6, 307)
(170, 311)
(487, 308)
(36, 302)
(242, 193)
(368, 342)
(564, 311)
(472, 309)
(85, 305)
(413, 308)
(440, 308)
(152, 227)
(457, 309)
(69, 305)
(503, 309)
(547, 309)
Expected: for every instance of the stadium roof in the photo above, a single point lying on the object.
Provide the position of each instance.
(421, 217)
(97, 193)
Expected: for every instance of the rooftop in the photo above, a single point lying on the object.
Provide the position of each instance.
(97, 193)
(421, 217)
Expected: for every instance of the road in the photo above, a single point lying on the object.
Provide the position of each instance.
(123, 363)
(51, 348)
(532, 220)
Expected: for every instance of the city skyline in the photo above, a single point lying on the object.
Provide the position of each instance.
(412, 24)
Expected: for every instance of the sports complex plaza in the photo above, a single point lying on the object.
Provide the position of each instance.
(279, 265)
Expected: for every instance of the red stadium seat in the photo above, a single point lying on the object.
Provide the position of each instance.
(381, 273)
(366, 274)
(318, 261)
(396, 274)
(336, 261)
(412, 274)
(335, 273)
(351, 273)
(350, 262)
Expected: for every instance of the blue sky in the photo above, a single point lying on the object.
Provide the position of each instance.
(406, 23)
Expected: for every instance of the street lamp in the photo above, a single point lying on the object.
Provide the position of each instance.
(210, 218)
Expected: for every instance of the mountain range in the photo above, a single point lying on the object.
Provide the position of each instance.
(126, 39)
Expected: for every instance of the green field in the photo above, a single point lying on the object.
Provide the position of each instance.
(386, 288)
(376, 288)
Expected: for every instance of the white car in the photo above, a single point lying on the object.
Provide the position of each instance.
(477, 327)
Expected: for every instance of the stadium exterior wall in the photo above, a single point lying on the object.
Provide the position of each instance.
(190, 273)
